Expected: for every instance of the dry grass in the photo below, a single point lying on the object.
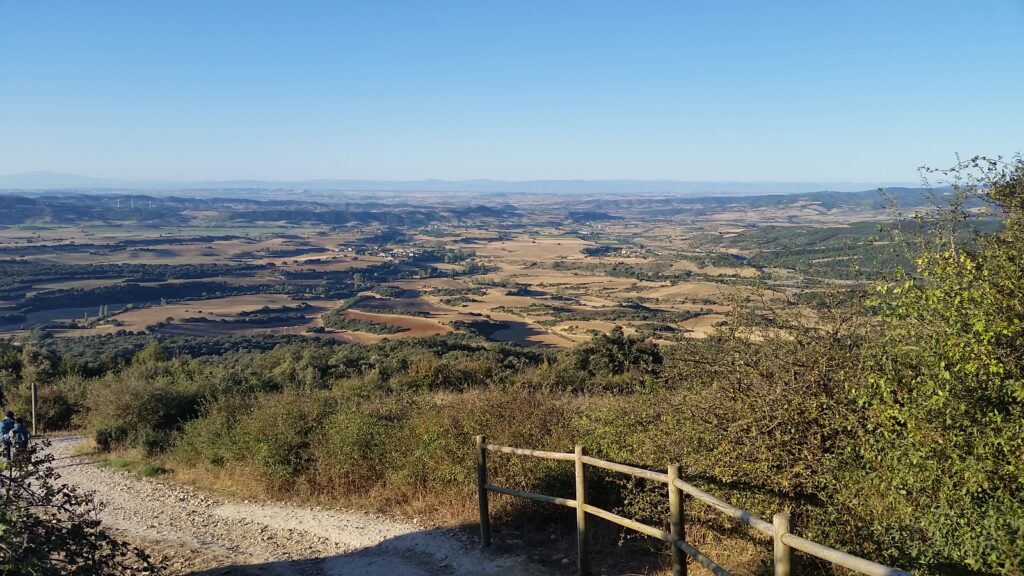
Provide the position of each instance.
(527, 333)
(214, 309)
(690, 266)
(538, 532)
(702, 326)
(534, 248)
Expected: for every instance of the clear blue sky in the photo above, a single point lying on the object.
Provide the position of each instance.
(741, 91)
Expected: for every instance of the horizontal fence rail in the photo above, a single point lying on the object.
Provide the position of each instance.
(778, 529)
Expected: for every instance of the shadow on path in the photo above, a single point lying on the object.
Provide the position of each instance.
(425, 553)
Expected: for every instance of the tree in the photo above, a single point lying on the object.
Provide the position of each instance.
(152, 353)
(37, 365)
(936, 470)
(8, 381)
(615, 354)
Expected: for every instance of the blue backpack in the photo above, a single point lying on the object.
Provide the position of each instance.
(6, 425)
(20, 436)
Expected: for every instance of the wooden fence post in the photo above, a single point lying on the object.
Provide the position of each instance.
(35, 403)
(783, 554)
(481, 490)
(582, 538)
(677, 526)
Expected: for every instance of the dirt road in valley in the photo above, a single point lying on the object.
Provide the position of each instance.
(198, 534)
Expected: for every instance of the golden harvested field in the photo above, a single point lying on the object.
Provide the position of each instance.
(432, 283)
(215, 309)
(80, 284)
(533, 249)
(413, 325)
(703, 325)
(690, 290)
(580, 330)
(690, 266)
(526, 333)
(323, 263)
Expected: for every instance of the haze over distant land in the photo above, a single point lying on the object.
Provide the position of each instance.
(58, 181)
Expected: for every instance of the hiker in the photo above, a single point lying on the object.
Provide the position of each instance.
(19, 437)
(6, 425)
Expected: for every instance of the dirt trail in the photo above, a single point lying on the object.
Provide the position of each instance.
(199, 534)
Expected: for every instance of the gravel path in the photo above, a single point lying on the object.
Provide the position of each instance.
(198, 534)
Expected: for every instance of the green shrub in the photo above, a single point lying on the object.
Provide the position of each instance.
(358, 445)
(59, 403)
(142, 406)
(272, 437)
(437, 441)
(210, 439)
(935, 473)
(108, 437)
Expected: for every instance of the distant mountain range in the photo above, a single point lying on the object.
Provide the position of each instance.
(57, 181)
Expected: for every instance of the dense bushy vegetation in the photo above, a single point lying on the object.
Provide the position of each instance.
(337, 320)
(137, 293)
(892, 425)
(17, 278)
(858, 251)
(631, 310)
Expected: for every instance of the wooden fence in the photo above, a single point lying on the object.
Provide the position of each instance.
(784, 541)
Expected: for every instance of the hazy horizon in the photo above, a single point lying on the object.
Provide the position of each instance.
(55, 181)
